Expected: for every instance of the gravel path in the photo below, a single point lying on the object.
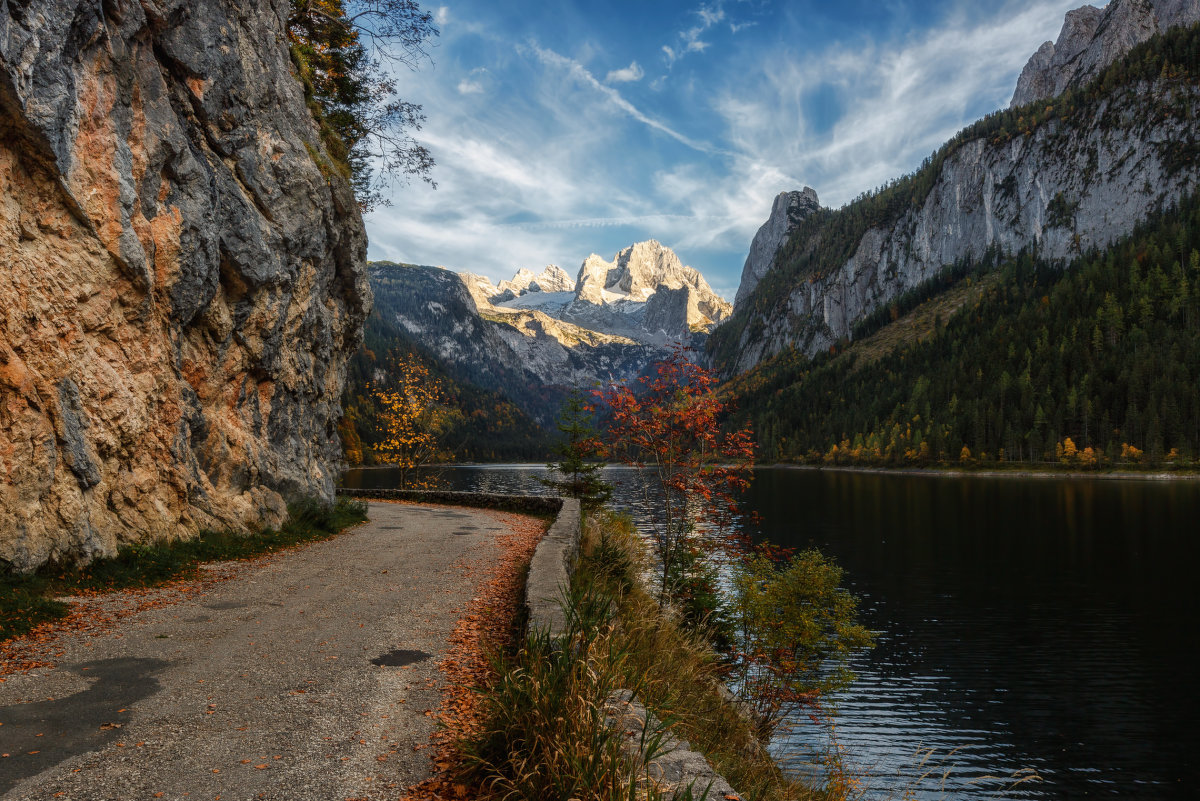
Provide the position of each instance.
(310, 675)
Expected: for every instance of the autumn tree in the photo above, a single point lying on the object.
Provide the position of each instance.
(410, 419)
(579, 453)
(669, 423)
(796, 630)
(342, 50)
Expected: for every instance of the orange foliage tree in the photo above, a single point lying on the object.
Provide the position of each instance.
(669, 424)
(411, 417)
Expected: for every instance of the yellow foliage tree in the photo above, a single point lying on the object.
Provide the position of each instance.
(411, 408)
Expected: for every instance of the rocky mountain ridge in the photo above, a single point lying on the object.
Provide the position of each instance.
(538, 336)
(787, 212)
(1092, 38)
(528, 356)
(184, 276)
(644, 294)
(1060, 178)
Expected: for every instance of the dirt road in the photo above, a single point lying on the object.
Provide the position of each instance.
(309, 676)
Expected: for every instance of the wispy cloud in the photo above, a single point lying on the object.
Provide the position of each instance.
(544, 162)
(903, 99)
(473, 84)
(633, 72)
(688, 40)
(581, 74)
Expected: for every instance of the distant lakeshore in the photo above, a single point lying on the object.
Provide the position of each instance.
(1188, 473)
(1024, 471)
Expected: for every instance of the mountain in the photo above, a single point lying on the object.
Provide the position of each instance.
(644, 294)
(184, 276)
(1093, 365)
(1032, 293)
(482, 425)
(1061, 177)
(527, 356)
(534, 338)
(787, 212)
(1092, 38)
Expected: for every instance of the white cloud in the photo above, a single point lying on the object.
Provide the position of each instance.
(473, 83)
(901, 99)
(441, 15)
(552, 171)
(581, 74)
(688, 40)
(633, 72)
(710, 15)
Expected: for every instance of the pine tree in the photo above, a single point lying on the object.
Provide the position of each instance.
(578, 452)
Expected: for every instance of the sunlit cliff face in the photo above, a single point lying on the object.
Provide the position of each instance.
(182, 280)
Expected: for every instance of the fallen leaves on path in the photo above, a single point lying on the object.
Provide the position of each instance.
(485, 627)
(96, 613)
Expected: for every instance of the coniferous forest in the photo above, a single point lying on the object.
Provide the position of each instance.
(1097, 363)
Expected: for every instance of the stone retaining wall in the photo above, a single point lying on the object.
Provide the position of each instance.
(678, 770)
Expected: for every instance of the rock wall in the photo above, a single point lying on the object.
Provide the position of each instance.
(788, 211)
(183, 276)
(1061, 190)
(1092, 38)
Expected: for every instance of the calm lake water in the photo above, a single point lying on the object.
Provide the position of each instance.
(1024, 623)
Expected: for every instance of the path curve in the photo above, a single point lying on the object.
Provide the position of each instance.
(311, 675)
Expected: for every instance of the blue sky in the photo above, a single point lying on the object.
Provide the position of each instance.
(566, 128)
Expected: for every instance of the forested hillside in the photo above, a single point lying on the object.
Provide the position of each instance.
(1063, 174)
(1104, 353)
(475, 424)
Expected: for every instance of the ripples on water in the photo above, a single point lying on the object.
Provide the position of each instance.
(1024, 623)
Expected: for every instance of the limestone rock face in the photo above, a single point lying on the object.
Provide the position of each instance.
(613, 298)
(636, 274)
(788, 211)
(1092, 38)
(1061, 189)
(552, 279)
(480, 288)
(181, 280)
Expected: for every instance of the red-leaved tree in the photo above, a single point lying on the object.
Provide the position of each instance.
(670, 424)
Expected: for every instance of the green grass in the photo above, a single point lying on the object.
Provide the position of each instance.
(27, 600)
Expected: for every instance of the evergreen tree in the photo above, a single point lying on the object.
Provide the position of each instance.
(579, 452)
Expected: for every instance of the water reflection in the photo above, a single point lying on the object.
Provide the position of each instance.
(1028, 623)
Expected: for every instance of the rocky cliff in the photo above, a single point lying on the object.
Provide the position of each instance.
(183, 276)
(1092, 38)
(525, 354)
(1058, 180)
(645, 294)
(787, 212)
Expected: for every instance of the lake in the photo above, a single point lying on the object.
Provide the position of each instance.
(1024, 623)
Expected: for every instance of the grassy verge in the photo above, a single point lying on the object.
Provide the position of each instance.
(546, 736)
(27, 600)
